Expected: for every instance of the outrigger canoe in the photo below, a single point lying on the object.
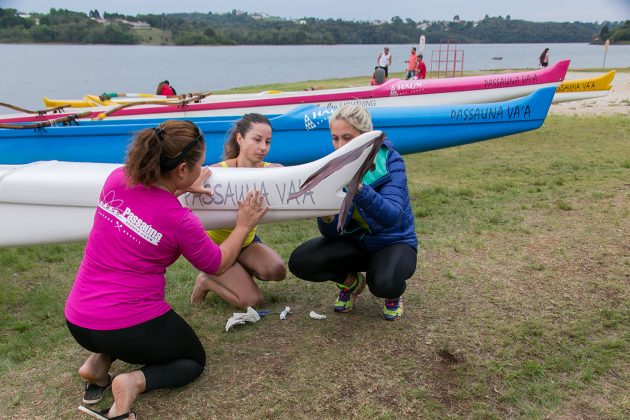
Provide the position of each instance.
(49, 202)
(393, 93)
(580, 89)
(299, 136)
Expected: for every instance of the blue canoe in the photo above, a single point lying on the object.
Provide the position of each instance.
(299, 136)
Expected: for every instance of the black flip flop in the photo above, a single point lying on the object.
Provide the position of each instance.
(102, 415)
(93, 393)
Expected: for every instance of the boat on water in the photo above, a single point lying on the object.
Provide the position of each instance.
(299, 136)
(587, 88)
(393, 93)
(50, 202)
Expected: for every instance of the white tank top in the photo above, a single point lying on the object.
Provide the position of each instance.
(384, 60)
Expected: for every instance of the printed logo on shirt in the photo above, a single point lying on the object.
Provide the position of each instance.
(126, 219)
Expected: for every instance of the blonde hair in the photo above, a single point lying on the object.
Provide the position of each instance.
(357, 116)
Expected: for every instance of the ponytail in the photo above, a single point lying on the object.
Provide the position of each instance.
(155, 151)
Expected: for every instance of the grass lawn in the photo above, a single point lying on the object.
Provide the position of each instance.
(520, 305)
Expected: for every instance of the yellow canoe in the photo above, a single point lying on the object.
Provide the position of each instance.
(89, 101)
(72, 103)
(602, 82)
(123, 100)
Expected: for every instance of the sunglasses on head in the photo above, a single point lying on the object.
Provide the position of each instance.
(170, 164)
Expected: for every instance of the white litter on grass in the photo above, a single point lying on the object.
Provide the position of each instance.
(238, 318)
(315, 315)
(283, 314)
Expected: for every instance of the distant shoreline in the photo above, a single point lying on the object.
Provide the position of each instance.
(305, 45)
(241, 28)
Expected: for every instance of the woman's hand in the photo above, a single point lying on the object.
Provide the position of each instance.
(251, 210)
(198, 187)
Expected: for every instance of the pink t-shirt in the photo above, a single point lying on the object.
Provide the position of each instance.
(138, 232)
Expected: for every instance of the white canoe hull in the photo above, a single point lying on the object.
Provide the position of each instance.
(446, 98)
(50, 202)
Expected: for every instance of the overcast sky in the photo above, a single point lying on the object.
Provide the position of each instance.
(533, 10)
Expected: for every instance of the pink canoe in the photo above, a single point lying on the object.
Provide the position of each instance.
(395, 92)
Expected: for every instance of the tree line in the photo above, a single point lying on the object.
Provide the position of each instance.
(241, 28)
(618, 35)
(61, 26)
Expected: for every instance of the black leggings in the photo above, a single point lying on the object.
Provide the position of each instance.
(168, 347)
(323, 259)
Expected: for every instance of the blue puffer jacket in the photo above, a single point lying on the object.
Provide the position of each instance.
(383, 206)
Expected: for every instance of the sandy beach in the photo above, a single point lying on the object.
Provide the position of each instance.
(616, 102)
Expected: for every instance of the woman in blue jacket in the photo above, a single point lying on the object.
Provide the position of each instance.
(378, 237)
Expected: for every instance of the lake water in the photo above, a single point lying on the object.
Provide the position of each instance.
(29, 72)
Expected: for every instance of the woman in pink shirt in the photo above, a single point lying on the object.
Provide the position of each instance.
(116, 308)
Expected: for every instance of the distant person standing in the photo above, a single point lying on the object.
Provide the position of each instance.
(421, 69)
(384, 60)
(411, 64)
(544, 58)
(164, 88)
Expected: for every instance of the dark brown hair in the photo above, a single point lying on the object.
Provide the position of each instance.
(155, 151)
(542, 56)
(231, 149)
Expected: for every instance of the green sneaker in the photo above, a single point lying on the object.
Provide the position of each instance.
(347, 295)
(393, 309)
